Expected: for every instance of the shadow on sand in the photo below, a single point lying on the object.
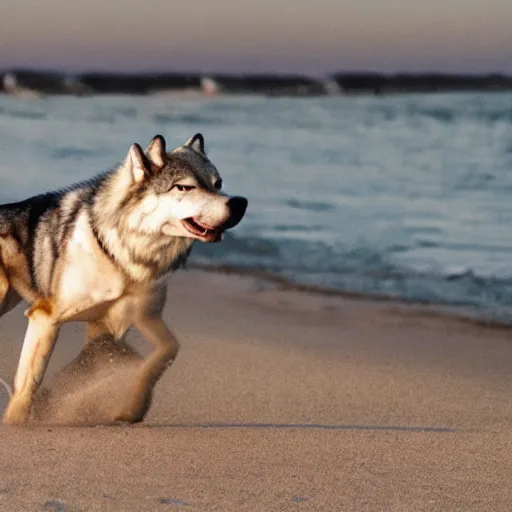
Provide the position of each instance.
(91, 388)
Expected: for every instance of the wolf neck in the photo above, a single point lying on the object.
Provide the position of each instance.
(141, 256)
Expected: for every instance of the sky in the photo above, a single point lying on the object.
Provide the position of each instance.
(301, 36)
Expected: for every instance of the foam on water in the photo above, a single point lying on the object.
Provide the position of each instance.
(403, 196)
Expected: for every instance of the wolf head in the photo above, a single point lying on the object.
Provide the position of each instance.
(179, 193)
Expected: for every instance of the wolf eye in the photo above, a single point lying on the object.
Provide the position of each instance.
(184, 188)
(218, 184)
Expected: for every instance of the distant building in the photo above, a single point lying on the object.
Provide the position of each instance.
(210, 86)
(332, 87)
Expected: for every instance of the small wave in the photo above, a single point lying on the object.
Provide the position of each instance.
(497, 116)
(397, 248)
(444, 115)
(424, 230)
(301, 228)
(186, 119)
(111, 114)
(32, 115)
(427, 244)
(126, 112)
(449, 114)
(72, 152)
(314, 206)
(381, 111)
(464, 275)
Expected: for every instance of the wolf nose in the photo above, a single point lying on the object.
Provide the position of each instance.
(237, 206)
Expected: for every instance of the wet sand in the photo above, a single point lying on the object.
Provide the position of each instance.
(281, 400)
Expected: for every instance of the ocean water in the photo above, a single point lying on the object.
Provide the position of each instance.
(407, 196)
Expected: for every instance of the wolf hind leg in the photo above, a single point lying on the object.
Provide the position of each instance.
(166, 349)
(37, 348)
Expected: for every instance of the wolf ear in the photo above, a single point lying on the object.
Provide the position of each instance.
(138, 163)
(196, 143)
(156, 150)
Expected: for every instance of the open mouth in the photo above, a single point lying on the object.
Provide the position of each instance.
(203, 232)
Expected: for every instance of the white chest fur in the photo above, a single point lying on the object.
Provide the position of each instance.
(87, 278)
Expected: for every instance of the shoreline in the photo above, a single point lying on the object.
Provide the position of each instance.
(423, 307)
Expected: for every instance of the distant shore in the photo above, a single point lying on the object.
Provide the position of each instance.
(36, 83)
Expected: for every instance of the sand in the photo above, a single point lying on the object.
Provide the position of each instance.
(281, 400)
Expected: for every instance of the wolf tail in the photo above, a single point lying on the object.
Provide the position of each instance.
(6, 386)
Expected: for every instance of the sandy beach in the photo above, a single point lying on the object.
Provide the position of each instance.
(281, 400)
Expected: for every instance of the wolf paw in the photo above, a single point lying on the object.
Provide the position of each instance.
(17, 412)
(129, 416)
(135, 412)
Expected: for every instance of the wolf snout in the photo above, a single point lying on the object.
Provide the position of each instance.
(237, 206)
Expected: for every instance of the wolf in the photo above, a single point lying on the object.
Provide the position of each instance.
(100, 252)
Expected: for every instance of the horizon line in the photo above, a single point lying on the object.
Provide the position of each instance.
(326, 74)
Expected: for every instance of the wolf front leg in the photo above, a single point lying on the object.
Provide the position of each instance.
(166, 349)
(37, 348)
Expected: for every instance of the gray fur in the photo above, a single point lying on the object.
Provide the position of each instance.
(121, 232)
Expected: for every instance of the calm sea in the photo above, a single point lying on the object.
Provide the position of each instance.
(407, 197)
